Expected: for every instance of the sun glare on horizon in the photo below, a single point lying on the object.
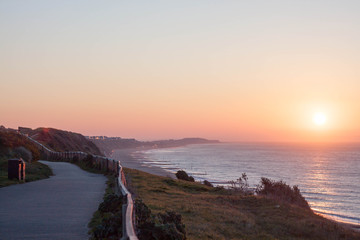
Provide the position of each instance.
(319, 119)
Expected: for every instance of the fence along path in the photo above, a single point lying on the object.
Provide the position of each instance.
(107, 164)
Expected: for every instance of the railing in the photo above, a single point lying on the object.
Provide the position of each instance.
(127, 208)
(107, 164)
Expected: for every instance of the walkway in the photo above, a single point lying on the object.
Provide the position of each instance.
(56, 208)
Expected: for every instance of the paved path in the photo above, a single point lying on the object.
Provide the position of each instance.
(56, 208)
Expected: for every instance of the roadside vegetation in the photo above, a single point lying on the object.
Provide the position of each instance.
(106, 222)
(162, 225)
(217, 213)
(34, 171)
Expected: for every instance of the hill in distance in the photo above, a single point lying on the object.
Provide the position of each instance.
(108, 144)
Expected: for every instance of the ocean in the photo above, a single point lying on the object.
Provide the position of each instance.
(328, 175)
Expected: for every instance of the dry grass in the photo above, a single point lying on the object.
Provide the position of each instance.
(211, 213)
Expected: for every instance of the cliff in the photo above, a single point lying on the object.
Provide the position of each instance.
(107, 144)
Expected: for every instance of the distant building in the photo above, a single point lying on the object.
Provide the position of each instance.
(103, 138)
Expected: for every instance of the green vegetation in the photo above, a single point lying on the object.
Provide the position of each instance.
(207, 183)
(13, 145)
(87, 164)
(34, 171)
(281, 192)
(184, 176)
(107, 220)
(217, 213)
(59, 140)
(151, 226)
(241, 185)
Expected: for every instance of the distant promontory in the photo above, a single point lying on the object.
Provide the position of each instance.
(107, 144)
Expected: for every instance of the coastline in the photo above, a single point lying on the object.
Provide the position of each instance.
(128, 160)
(125, 156)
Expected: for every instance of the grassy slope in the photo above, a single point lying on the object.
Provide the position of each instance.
(209, 213)
(59, 140)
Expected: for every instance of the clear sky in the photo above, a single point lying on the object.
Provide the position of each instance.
(229, 70)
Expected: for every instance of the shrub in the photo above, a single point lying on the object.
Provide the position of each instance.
(75, 159)
(112, 203)
(166, 225)
(169, 226)
(110, 227)
(241, 184)
(111, 219)
(90, 161)
(184, 176)
(207, 183)
(282, 192)
(11, 140)
(24, 153)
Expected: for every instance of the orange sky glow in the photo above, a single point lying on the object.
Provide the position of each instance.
(234, 71)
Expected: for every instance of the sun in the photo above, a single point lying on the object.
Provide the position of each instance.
(319, 118)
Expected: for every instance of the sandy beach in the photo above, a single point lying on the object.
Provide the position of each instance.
(125, 156)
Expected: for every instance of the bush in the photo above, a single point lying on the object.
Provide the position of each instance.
(110, 227)
(111, 219)
(90, 162)
(24, 153)
(169, 226)
(165, 226)
(282, 192)
(207, 183)
(75, 159)
(112, 203)
(184, 176)
(241, 184)
(10, 140)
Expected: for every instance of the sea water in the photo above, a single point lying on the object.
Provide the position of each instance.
(328, 175)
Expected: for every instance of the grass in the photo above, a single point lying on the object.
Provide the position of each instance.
(36, 171)
(106, 221)
(59, 140)
(10, 143)
(213, 213)
(110, 185)
(33, 171)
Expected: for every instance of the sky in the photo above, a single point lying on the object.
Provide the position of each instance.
(228, 70)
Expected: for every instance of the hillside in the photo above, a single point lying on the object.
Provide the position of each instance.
(59, 140)
(11, 141)
(14, 145)
(216, 213)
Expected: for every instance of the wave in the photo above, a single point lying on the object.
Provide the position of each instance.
(327, 177)
(350, 219)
